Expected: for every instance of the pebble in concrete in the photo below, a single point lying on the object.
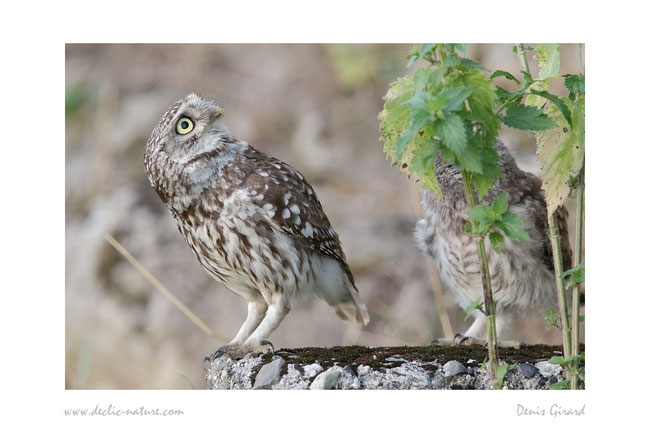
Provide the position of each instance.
(452, 368)
(269, 374)
(326, 380)
(527, 369)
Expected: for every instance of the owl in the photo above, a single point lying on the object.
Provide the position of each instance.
(522, 275)
(253, 222)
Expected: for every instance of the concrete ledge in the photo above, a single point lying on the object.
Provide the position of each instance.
(403, 367)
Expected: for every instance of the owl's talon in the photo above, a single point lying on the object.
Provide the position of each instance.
(267, 344)
(207, 358)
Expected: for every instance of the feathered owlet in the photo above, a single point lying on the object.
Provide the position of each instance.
(253, 222)
(522, 276)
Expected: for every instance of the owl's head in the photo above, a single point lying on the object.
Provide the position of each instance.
(188, 147)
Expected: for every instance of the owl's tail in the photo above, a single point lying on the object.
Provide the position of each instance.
(354, 311)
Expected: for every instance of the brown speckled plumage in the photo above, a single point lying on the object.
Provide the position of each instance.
(253, 222)
(522, 274)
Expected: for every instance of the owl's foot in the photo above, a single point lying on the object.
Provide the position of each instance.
(238, 351)
(458, 340)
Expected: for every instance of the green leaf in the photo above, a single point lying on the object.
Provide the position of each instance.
(394, 118)
(512, 226)
(500, 204)
(423, 167)
(496, 240)
(426, 48)
(577, 275)
(564, 384)
(502, 94)
(574, 83)
(561, 152)
(419, 120)
(551, 319)
(484, 216)
(508, 75)
(455, 97)
(427, 79)
(502, 370)
(557, 360)
(527, 118)
(452, 133)
(472, 64)
(528, 80)
(476, 305)
(560, 360)
(559, 103)
(548, 56)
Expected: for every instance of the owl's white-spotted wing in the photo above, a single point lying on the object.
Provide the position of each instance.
(297, 210)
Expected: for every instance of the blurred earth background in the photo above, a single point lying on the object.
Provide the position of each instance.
(313, 106)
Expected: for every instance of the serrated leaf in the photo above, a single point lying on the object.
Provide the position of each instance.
(512, 226)
(418, 120)
(559, 385)
(482, 214)
(500, 204)
(548, 56)
(557, 101)
(577, 275)
(574, 83)
(455, 97)
(394, 118)
(496, 240)
(502, 94)
(561, 152)
(551, 319)
(527, 118)
(557, 360)
(508, 75)
(452, 132)
(425, 78)
(472, 64)
(422, 165)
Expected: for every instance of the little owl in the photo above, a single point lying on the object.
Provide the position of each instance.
(253, 222)
(522, 276)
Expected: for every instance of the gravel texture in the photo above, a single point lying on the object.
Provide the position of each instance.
(357, 367)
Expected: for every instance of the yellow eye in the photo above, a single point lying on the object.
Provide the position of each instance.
(184, 125)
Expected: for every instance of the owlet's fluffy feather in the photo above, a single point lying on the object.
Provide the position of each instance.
(522, 276)
(253, 221)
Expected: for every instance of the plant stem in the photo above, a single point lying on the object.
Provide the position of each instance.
(490, 309)
(577, 259)
(554, 236)
(521, 51)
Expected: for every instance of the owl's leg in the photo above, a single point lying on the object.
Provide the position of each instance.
(256, 312)
(263, 320)
(276, 312)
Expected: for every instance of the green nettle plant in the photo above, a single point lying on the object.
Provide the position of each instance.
(451, 109)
